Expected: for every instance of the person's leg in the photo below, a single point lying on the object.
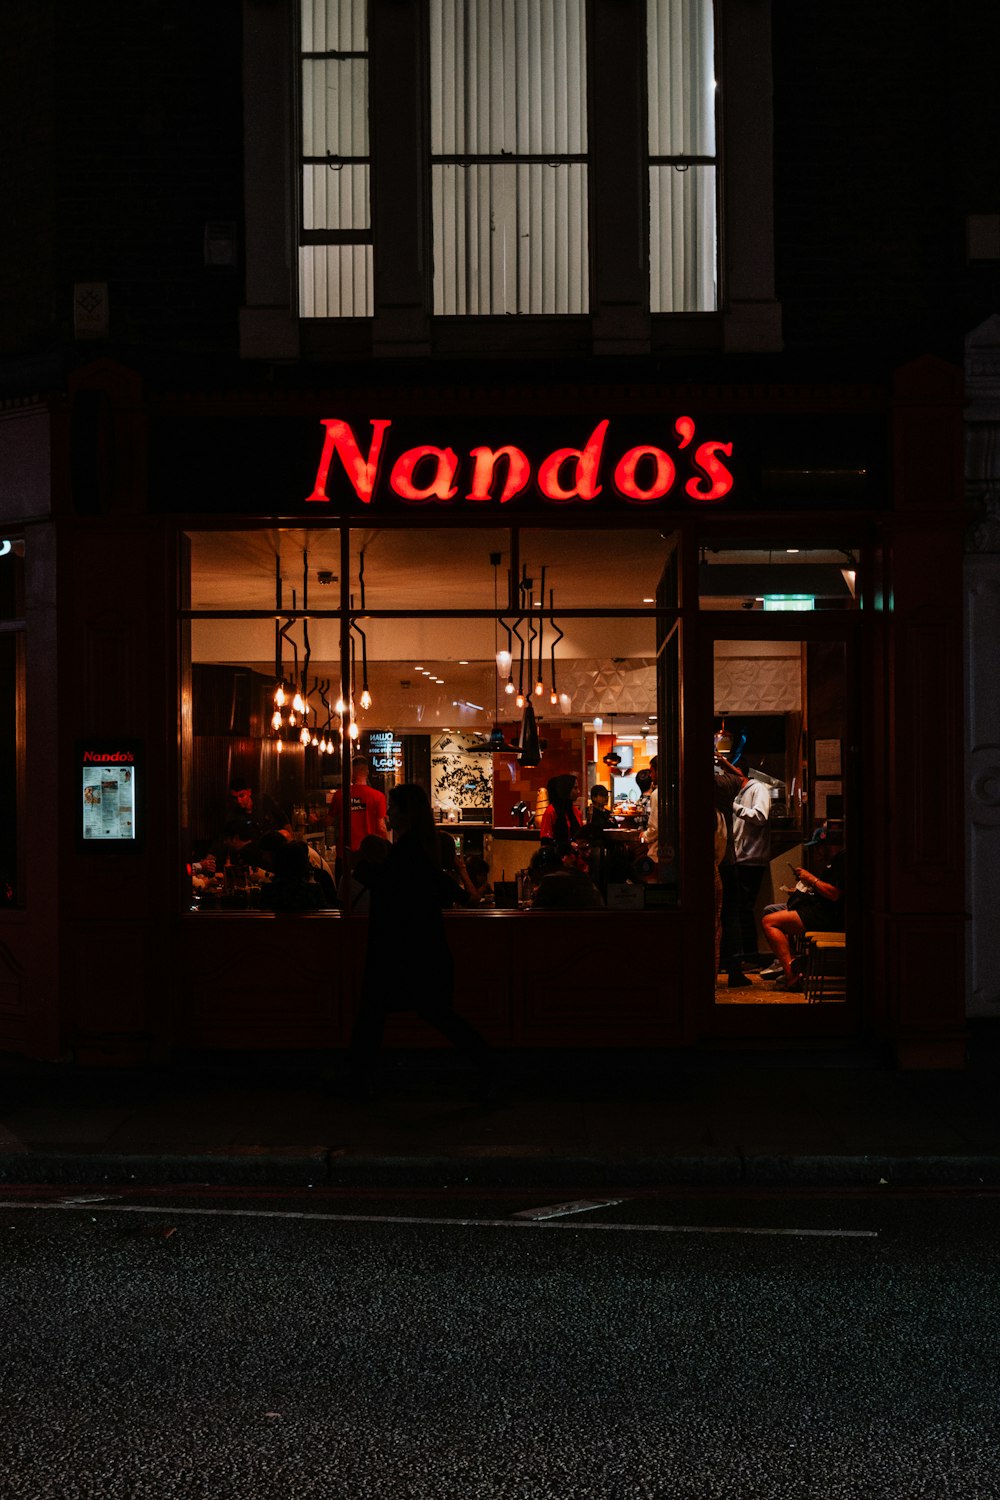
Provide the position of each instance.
(780, 927)
(751, 878)
(729, 952)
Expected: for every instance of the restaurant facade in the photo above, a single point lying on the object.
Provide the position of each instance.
(478, 589)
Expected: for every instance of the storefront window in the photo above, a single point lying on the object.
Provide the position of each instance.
(439, 659)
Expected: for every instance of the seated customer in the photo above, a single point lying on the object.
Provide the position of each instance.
(599, 816)
(297, 885)
(559, 883)
(819, 908)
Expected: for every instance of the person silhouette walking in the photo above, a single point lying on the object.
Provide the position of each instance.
(408, 964)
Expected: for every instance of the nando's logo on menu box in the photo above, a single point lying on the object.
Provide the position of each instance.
(108, 757)
(646, 473)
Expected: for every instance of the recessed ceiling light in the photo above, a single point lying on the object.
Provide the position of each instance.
(463, 664)
(649, 601)
(791, 549)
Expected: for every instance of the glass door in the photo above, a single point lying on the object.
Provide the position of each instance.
(783, 801)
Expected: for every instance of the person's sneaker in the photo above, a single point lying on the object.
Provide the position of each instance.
(773, 971)
(790, 984)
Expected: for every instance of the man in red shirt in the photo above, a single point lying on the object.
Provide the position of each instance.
(367, 807)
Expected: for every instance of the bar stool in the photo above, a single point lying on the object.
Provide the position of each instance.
(824, 965)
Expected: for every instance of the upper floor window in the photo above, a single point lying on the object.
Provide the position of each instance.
(681, 101)
(508, 156)
(335, 235)
(505, 165)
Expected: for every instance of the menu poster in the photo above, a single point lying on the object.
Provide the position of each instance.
(108, 792)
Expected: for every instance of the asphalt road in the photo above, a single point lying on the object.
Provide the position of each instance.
(244, 1353)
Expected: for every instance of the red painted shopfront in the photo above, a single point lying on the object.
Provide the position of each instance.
(777, 564)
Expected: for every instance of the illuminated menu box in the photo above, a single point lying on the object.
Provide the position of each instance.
(109, 795)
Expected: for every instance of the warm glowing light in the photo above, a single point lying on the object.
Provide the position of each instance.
(281, 746)
(508, 686)
(297, 704)
(279, 696)
(276, 721)
(314, 742)
(292, 720)
(504, 661)
(353, 730)
(305, 736)
(329, 747)
(339, 706)
(519, 700)
(598, 722)
(553, 698)
(366, 698)
(539, 688)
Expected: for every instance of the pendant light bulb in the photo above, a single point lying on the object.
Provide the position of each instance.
(519, 700)
(279, 696)
(539, 688)
(366, 698)
(504, 663)
(297, 704)
(276, 721)
(339, 706)
(598, 722)
(305, 736)
(292, 721)
(314, 741)
(509, 687)
(353, 730)
(553, 697)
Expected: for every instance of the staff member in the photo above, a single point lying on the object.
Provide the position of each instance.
(366, 804)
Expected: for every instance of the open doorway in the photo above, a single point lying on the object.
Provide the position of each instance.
(780, 728)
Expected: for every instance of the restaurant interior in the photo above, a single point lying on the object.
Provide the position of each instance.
(482, 662)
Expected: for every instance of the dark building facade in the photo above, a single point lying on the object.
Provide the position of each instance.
(345, 345)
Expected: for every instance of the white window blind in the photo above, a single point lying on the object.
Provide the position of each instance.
(335, 251)
(508, 147)
(683, 215)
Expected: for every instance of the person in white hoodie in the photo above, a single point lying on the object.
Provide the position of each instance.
(752, 847)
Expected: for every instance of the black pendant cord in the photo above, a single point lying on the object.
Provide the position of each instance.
(559, 634)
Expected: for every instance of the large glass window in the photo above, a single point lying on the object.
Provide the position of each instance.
(480, 663)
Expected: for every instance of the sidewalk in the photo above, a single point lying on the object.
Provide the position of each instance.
(575, 1120)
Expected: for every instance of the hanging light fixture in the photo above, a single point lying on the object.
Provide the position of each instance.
(496, 744)
(554, 698)
(539, 684)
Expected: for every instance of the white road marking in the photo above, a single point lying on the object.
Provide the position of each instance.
(559, 1210)
(269, 1213)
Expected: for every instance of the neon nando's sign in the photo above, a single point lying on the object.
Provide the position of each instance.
(425, 474)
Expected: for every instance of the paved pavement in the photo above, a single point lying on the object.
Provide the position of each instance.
(584, 1118)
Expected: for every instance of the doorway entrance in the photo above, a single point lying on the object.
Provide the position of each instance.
(781, 722)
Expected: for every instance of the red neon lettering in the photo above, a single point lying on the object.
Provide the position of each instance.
(441, 487)
(684, 428)
(108, 757)
(518, 473)
(720, 479)
(625, 480)
(362, 473)
(588, 462)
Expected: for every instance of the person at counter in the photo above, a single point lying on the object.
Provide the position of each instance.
(752, 847)
(600, 816)
(652, 835)
(258, 809)
(561, 821)
(368, 807)
(727, 782)
(558, 882)
(297, 885)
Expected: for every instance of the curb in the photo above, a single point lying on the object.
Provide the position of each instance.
(314, 1166)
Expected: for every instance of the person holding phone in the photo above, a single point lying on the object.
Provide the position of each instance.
(815, 905)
